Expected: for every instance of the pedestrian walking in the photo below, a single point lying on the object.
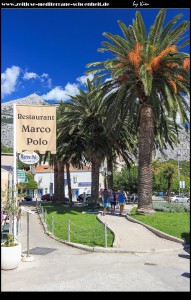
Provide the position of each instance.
(106, 201)
(112, 201)
(122, 201)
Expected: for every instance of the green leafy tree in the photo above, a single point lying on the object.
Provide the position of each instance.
(9, 201)
(160, 183)
(31, 184)
(22, 166)
(149, 79)
(5, 149)
(126, 179)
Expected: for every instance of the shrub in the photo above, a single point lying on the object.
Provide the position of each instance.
(171, 207)
(9, 242)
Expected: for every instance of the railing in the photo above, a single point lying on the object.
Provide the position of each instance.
(70, 230)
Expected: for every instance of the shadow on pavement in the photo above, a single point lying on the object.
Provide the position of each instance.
(41, 251)
(184, 256)
(187, 275)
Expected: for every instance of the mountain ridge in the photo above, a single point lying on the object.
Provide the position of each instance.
(183, 148)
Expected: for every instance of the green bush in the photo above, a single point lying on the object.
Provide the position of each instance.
(171, 207)
(9, 242)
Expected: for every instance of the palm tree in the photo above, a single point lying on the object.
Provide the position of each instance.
(70, 145)
(149, 79)
(168, 174)
(85, 118)
(88, 118)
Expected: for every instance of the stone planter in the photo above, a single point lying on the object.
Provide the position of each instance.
(10, 257)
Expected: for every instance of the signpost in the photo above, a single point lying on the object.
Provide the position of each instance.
(182, 185)
(28, 257)
(21, 176)
(34, 128)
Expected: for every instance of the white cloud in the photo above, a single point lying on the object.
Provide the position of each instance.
(44, 78)
(30, 75)
(9, 80)
(45, 75)
(71, 89)
(49, 83)
(83, 79)
(60, 94)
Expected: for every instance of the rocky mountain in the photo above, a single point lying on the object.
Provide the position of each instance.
(7, 116)
(183, 148)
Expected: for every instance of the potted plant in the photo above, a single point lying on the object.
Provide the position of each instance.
(10, 253)
(10, 248)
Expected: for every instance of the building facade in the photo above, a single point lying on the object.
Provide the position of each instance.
(80, 181)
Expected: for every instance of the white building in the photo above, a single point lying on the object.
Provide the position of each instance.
(80, 180)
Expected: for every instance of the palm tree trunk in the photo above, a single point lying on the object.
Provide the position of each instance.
(145, 174)
(64, 195)
(55, 198)
(69, 183)
(96, 162)
(110, 177)
(60, 180)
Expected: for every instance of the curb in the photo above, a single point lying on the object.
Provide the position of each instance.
(158, 232)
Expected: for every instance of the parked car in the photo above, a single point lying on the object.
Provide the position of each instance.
(46, 197)
(80, 197)
(180, 199)
(28, 198)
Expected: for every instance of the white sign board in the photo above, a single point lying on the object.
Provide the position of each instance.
(182, 184)
(29, 158)
(27, 210)
(35, 128)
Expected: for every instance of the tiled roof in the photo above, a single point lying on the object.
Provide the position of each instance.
(44, 169)
(85, 168)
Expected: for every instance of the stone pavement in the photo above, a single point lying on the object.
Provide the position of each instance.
(149, 263)
(134, 237)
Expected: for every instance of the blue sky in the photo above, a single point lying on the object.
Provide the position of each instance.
(45, 51)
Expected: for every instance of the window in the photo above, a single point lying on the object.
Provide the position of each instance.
(39, 180)
(75, 179)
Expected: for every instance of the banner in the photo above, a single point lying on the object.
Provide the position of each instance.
(35, 128)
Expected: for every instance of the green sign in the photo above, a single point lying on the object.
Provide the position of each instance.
(21, 177)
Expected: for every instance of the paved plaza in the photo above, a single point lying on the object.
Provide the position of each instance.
(142, 262)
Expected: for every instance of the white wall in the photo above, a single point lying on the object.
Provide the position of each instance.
(43, 180)
(82, 184)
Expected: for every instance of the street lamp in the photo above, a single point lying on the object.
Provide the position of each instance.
(105, 173)
(178, 171)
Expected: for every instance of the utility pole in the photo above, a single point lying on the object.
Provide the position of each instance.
(178, 172)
